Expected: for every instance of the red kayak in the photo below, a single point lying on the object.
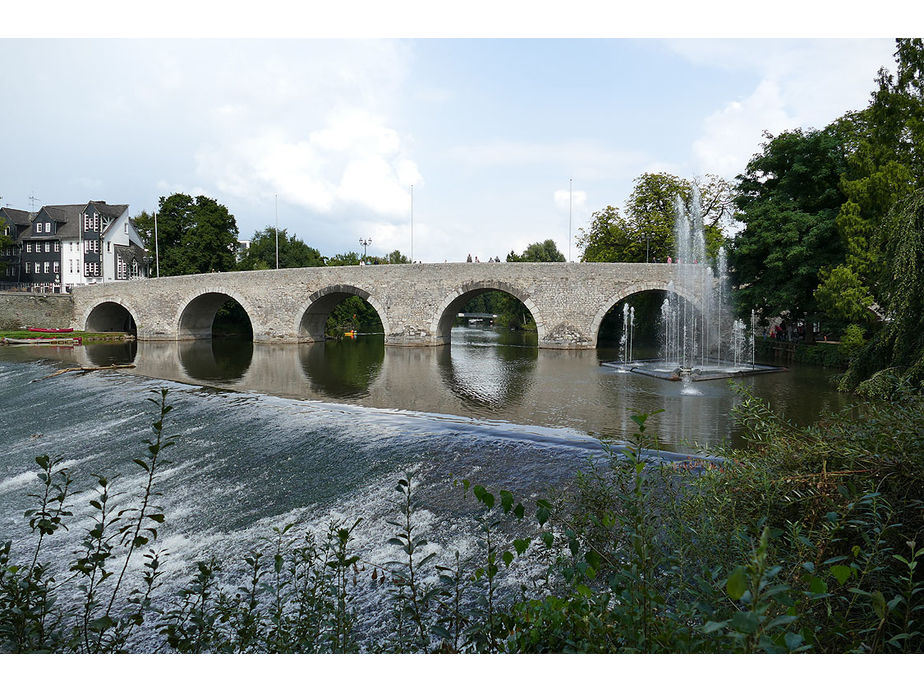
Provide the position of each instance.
(53, 330)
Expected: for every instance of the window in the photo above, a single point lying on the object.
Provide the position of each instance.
(56, 268)
(47, 227)
(47, 246)
(70, 265)
(28, 264)
(121, 268)
(46, 268)
(28, 247)
(57, 246)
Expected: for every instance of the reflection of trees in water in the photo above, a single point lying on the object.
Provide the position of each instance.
(488, 369)
(343, 369)
(107, 354)
(216, 360)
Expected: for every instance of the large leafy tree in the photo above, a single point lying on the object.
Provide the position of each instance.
(899, 346)
(546, 251)
(885, 165)
(194, 235)
(788, 200)
(293, 252)
(646, 232)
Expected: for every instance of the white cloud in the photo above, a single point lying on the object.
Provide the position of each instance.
(565, 199)
(354, 161)
(731, 135)
(797, 83)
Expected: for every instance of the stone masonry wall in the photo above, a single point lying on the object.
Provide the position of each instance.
(20, 309)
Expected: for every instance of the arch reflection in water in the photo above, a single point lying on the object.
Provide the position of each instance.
(222, 361)
(110, 353)
(343, 369)
(489, 369)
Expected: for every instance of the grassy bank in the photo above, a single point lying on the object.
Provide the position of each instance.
(85, 336)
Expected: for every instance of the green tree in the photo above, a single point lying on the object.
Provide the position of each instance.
(646, 232)
(898, 348)
(353, 313)
(341, 259)
(546, 251)
(788, 200)
(293, 252)
(194, 235)
(885, 166)
(396, 257)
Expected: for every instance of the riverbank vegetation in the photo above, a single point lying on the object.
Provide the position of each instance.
(833, 231)
(808, 540)
(85, 336)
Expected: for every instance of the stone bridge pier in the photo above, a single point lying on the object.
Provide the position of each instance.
(417, 304)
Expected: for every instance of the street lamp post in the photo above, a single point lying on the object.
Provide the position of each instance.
(365, 243)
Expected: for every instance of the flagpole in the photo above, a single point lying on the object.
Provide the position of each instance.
(570, 195)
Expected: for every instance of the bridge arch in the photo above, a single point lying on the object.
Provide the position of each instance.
(627, 291)
(111, 315)
(445, 315)
(311, 318)
(197, 312)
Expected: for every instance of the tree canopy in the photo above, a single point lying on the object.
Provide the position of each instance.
(293, 252)
(546, 251)
(194, 235)
(788, 199)
(884, 166)
(646, 232)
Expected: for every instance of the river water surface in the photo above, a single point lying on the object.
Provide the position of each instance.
(314, 433)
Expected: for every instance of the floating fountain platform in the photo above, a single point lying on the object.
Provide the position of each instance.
(656, 368)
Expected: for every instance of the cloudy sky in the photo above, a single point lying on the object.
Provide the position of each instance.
(334, 133)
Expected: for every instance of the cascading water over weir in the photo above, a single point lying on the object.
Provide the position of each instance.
(696, 342)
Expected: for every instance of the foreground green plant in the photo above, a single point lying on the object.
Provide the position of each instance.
(806, 541)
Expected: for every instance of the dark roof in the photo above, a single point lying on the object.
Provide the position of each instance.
(127, 252)
(20, 217)
(114, 211)
(67, 218)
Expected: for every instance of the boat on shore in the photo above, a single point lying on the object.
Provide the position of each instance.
(42, 341)
(52, 330)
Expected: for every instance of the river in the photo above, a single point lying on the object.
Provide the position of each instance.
(272, 434)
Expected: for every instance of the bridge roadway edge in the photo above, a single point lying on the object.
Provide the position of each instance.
(567, 300)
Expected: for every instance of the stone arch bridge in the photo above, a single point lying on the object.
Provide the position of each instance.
(417, 304)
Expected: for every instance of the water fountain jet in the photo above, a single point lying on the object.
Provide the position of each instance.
(697, 342)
